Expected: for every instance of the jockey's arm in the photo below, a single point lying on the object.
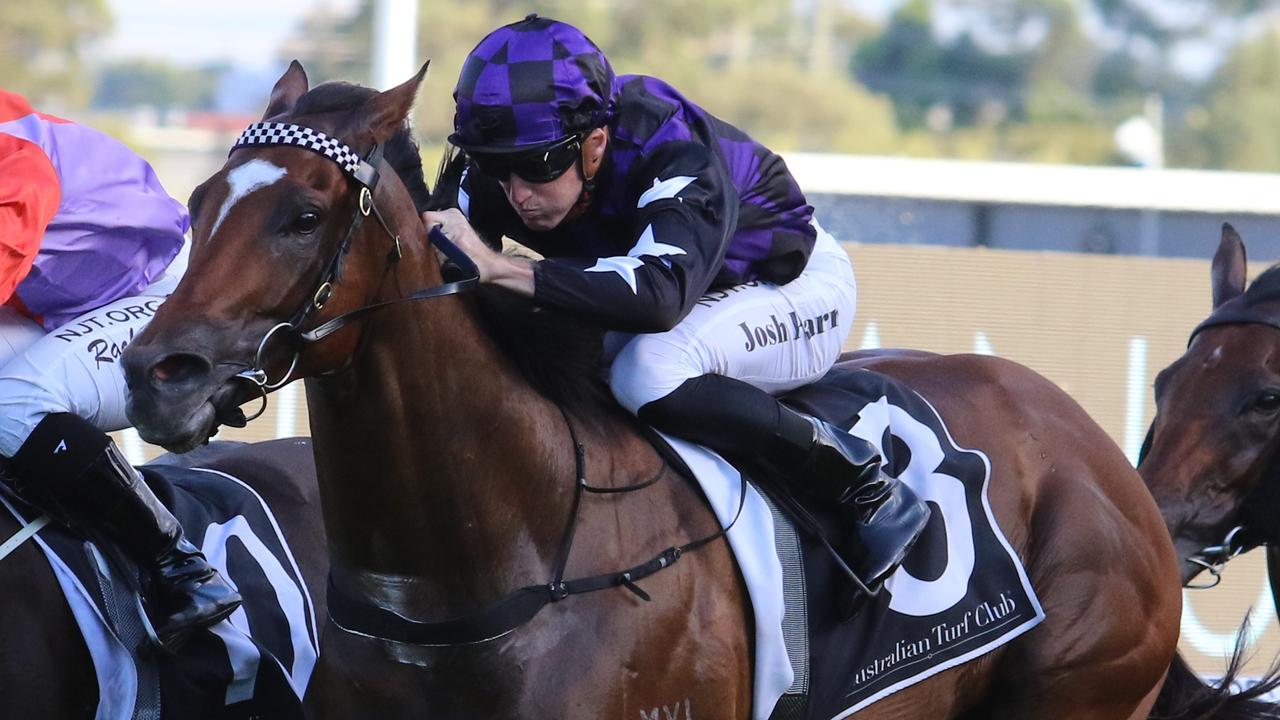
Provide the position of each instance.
(685, 215)
(29, 197)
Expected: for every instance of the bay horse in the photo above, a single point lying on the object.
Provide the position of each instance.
(1210, 457)
(452, 432)
(46, 670)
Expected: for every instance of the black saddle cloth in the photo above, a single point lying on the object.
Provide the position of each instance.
(961, 593)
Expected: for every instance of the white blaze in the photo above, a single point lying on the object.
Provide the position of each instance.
(244, 180)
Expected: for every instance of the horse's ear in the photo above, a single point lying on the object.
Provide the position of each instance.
(291, 86)
(384, 113)
(1228, 271)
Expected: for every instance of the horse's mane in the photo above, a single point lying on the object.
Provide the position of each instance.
(1264, 288)
(401, 151)
(557, 352)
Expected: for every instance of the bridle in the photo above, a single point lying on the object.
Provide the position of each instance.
(364, 175)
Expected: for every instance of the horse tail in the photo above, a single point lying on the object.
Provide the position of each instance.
(1185, 696)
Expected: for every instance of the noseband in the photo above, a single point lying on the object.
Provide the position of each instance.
(364, 175)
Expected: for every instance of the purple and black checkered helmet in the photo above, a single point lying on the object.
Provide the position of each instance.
(529, 84)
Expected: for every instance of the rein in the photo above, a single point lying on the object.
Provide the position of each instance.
(519, 607)
(358, 616)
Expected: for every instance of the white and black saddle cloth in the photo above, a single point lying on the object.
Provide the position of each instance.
(255, 664)
(962, 591)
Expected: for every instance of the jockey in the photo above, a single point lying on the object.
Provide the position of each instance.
(90, 245)
(687, 240)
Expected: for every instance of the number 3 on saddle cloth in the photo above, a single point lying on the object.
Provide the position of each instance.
(960, 593)
(257, 663)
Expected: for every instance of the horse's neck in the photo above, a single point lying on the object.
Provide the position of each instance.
(441, 469)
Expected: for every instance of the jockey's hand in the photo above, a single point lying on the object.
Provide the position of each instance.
(455, 226)
(494, 267)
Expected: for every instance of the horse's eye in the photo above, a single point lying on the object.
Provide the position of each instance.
(306, 223)
(1267, 402)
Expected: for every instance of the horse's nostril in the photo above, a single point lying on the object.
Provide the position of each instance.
(178, 368)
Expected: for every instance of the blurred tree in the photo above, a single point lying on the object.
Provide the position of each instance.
(41, 45)
(834, 114)
(1236, 128)
(909, 63)
(1061, 60)
(746, 60)
(999, 59)
(332, 45)
(158, 85)
(1148, 26)
(1148, 35)
(1119, 76)
(993, 79)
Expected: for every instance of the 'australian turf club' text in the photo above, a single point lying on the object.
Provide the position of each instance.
(776, 331)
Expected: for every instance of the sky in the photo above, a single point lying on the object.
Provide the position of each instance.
(243, 32)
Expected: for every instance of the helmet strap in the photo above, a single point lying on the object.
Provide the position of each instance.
(584, 197)
(588, 184)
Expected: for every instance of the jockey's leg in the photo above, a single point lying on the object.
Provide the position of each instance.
(87, 477)
(57, 398)
(711, 380)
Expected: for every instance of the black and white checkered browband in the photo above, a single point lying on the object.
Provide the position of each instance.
(271, 133)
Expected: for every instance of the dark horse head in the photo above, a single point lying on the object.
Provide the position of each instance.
(1211, 458)
(273, 206)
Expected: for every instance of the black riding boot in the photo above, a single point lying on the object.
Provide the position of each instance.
(82, 472)
(883, 516)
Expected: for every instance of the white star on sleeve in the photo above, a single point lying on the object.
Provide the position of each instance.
(663, 189)
(648, 246)
(626, 266)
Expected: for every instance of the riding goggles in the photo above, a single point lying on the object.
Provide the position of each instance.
(541, 165)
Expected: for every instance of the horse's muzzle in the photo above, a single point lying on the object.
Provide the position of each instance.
(174, 396)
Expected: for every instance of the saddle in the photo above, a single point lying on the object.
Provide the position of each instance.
(960, 593)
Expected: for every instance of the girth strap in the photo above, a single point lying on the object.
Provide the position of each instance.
(494, 621)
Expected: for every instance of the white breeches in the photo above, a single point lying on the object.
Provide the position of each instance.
(775, 337)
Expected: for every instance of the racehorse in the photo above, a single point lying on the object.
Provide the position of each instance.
(454, 433)
(1210, 456)
(46, 670)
